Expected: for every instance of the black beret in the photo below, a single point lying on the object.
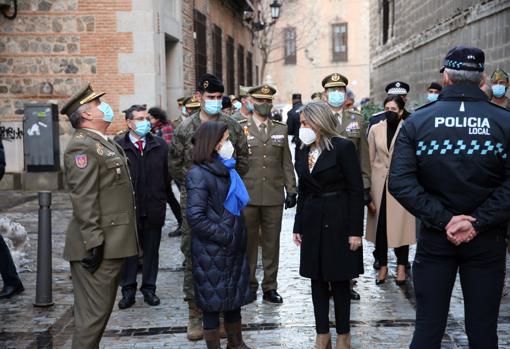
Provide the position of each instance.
(464, 58)
(435, 86)
(296, 96)
(225, 102)
(397, 88)
(210, 83)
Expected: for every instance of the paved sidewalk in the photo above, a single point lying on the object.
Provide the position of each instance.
(384, 318)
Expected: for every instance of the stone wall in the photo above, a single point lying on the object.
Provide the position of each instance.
(424, 31)
(52, 48)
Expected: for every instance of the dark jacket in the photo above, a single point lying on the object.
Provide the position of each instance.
(218, 241)
(380, 116)
(293, 123)
(329, 210)
(451, 157)
(150, 178)
(2, 159)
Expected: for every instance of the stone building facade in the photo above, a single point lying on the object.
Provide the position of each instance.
(137, 51)
(410, 38)
(315, 38)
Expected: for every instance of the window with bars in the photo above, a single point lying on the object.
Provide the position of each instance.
(339, 46)
(217, 53)
(249, 69)
(289, 39)
(231, 83)
(200, 44)
(240, 64)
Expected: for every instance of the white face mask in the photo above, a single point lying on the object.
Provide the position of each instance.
(306, 135)
(227, 150)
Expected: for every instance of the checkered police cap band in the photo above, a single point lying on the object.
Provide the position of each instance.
(457, 65)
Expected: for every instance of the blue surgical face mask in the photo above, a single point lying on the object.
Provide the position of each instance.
(107, 111)
(249, 106)
(336, 98)
(237, 105)
(142, 127)
(212, 106)
(184, 111)
(432, 97)
(498, 90)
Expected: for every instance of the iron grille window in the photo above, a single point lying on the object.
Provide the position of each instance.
(217, 53)
(249, 69)
(200, 44)
(289, 38)
(230, 66)
(339, 46)
(240, 64)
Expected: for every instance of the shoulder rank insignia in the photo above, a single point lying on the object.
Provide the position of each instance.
(81, 161)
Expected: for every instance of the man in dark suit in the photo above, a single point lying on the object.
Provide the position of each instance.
(148, 165)
(12, 283)
(293, 120)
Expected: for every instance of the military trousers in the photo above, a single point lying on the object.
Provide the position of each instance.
(264, 225)
(481, 267)
(94, 297)
(188, 284)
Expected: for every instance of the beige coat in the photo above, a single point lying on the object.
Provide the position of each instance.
(401, 225)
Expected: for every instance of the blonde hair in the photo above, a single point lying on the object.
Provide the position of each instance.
(322, 120)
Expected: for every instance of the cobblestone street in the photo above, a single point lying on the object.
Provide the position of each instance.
(384, 317)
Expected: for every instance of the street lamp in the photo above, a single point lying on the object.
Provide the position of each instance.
(275, 10)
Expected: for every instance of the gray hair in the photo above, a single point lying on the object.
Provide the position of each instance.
(75, 117)
(462, 76)
(322, 120)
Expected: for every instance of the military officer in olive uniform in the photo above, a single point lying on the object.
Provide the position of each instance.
(499, 88)
(246, 107)
(352, 126)
(102, 231)
(270, 172)
(191, 104)
(209, 94)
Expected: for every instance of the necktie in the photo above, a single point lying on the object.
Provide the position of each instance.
(337, 116)
(262, 128)
(140, 146)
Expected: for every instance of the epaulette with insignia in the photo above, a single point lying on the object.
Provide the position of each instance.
(279, 122)
(243, 121)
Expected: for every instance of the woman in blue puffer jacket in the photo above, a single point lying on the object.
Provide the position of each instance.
(216, 196)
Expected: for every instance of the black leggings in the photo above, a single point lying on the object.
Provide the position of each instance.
(381, 240)
(212, 319)
(342, 300)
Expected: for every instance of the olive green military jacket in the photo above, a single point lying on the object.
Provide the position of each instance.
(270, 164)
(353, 127)
(238, 116)
(97, 176)
(180, 162)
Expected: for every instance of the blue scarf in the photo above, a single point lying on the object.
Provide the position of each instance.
(237, 197)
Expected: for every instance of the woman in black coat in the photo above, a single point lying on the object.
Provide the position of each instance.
(329, 218)
(216, 195)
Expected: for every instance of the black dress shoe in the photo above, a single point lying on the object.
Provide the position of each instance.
(355, 295)
(150, 298)
(273, 297)
(8, 291)
(376, 264)
(128, 299)
(176, 232)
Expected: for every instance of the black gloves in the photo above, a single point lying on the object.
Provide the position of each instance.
(94, 259)
(290, 200)
(366, 196)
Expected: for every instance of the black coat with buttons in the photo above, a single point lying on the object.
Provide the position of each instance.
(329, 210)
(218, 241)
(150, 178)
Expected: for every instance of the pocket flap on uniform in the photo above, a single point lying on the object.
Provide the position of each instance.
(109, 220)
(113, 163)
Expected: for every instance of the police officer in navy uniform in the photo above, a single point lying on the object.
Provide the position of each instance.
(451, 169)
(399, 88)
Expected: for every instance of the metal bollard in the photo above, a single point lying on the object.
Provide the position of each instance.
(43, 292)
